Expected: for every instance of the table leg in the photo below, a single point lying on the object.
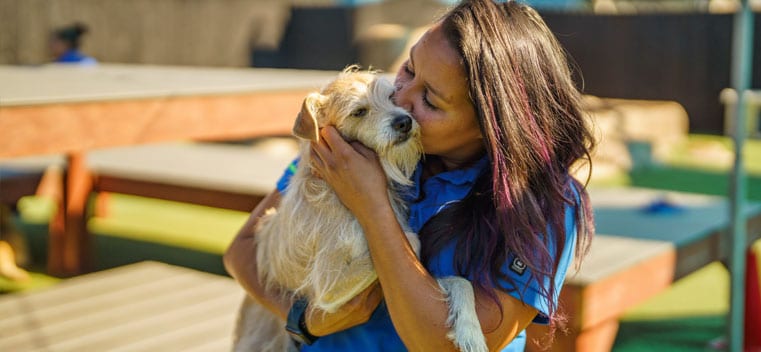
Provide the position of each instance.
(69, 241)
(52, 186)
(598, 338)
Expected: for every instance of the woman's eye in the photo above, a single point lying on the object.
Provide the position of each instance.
(408, 70)
(359, 112)
(428, 102)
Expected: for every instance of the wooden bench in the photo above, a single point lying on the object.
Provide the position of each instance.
(229, 176)
(223, 175)
(638, 254)
(149, 306)
(116, 105)
(220, 175)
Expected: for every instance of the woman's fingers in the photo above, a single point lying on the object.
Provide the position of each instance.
(364, 303)
(362, 149)
(332, 138)
(323, 149)
(374, 297)
(333, 143)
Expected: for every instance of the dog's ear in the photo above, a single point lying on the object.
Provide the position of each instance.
(306, 125)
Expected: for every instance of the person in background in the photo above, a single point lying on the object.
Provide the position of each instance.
(65, 43)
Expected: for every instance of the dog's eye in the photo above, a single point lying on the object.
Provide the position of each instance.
(359, 112)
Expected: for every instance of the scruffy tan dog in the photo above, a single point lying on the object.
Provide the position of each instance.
(312, 246)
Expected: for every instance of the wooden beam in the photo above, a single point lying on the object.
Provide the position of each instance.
(72, 127)
(208, 197)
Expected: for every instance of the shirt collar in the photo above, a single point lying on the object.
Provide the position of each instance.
(459, 177)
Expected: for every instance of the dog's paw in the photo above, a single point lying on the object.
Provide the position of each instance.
(465, 329)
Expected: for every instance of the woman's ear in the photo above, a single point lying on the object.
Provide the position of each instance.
(306, 125)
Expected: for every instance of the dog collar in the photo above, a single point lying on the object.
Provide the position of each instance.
(296, 323)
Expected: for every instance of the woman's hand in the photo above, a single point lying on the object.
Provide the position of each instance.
(352, 170)
(353, 313)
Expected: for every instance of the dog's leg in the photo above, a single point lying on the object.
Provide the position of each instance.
(257, 329)
(465, 329)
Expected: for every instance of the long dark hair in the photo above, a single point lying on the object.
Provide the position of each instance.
(71, 35)
(528, 109)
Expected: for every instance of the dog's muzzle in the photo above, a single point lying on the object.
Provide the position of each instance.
(402, 125)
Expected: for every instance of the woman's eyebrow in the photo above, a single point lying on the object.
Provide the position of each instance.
(427, 85)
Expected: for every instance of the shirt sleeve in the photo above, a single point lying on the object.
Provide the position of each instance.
(527, 288)
(285, 179)
(520, 282)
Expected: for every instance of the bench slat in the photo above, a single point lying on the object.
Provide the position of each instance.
(151, 302)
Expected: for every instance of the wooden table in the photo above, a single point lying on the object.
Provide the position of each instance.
(638, 254)
(148, 306)
(70, 110)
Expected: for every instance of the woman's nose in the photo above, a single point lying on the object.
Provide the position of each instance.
(399, 97)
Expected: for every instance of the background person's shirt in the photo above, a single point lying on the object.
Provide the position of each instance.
(76, 57)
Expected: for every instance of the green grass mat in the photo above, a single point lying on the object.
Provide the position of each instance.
(36, 281)
(702, 165)
(138, 228)
(686, 317)
(168, 223)
(669, 335)
(702, 293)
(711, 152)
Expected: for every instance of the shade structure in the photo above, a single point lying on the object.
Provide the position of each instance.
(742, 45)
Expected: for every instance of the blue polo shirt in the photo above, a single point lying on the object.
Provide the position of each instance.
(378, 333)
(74, 56)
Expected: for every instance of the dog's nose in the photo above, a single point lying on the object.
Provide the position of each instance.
(402, 123)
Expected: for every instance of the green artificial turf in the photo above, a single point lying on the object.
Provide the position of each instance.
(686, 317)
(703, 293)
(194, 227)
(687, 334)
(711, 152)
(138, 229)
(37, 280)
(702, 165)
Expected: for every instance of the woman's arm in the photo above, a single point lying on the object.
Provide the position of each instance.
(414, 299)
(416, 303)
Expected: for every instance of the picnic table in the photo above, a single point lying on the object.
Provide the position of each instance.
(58, 109)
(148, 306)
(646, 239)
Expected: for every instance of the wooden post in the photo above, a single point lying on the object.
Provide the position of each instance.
(69, 250)
(742, 55)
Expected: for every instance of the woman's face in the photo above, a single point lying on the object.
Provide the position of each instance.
(58, 47)
(431, 84)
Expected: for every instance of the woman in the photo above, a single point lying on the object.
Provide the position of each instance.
(65, 43)
(493, 200)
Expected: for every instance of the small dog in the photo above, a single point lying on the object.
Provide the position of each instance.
(312, 246)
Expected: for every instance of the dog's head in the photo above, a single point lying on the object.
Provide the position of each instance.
(358, 104)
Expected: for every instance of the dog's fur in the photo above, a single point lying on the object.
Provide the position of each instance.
(312, 246)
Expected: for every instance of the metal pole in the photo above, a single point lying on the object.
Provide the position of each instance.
(742, 45)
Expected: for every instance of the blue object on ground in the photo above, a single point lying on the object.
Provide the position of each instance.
(662, 206)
